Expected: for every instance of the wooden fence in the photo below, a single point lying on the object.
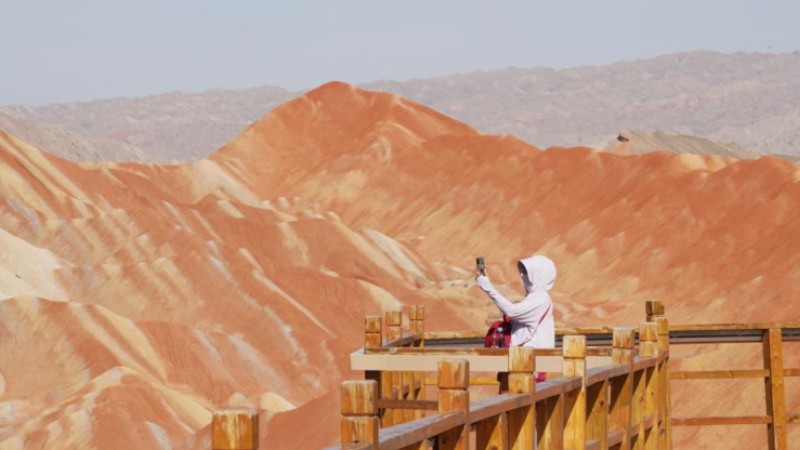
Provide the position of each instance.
(611, 393)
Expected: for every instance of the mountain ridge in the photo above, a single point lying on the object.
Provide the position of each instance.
(744, 98)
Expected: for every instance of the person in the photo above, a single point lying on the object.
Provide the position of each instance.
(532, 323)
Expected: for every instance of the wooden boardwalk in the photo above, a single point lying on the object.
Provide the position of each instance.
(613, 388)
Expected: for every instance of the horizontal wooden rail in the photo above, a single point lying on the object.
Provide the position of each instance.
(717, 374)
(492, 406)
(550, 389)
(735, 420)
(395, 403)
(406, 434)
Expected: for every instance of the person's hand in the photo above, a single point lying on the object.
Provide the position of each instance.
(482, 281)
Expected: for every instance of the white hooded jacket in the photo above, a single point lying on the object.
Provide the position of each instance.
(532, 323)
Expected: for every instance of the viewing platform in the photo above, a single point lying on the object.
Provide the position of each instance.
(605, 388)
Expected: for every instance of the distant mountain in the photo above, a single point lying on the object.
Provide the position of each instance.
(636, 142)
(751, 100)
(176, 126)
(60, 141)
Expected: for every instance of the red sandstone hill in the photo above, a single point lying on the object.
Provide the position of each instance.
(138, 296)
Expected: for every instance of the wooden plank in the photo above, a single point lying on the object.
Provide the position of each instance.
(594, 444)
(426, 405)
(791, 372)
(403, 435)
(598, 374)
(648, 347)
(597, 407)
(737, 420)
(495, 405)
(717, 374)
(554, 388)
(574, 352)
(773, 360)
(406, 340)
(622, 386)
(550, 423)
(492, 432)
(733, 326)
(795, 418)
(614, 438)
(454, 396)
(428, 362)
(641, 362)
(521, 381)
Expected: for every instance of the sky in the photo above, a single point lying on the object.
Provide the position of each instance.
(79, 50)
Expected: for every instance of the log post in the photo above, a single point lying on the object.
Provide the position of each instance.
(622, 386)
(453, 381)
(776, 407)
(521, 380)
(597, 404)
(391, 382)
(234, 429)
(394, 322)
(416, 317)
(416, 320)
(574, 365)
(360, 422)
(373, 338)
(373, 332)
(656, 313)
(648, 347)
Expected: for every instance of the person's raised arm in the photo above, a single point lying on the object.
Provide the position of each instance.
(513, 310)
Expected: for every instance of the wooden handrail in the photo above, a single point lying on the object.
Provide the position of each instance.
(624, 404)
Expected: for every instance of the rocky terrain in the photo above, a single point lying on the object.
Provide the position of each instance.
(136, 297)
(748, 99)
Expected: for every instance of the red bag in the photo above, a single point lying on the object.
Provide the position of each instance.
(504, 337)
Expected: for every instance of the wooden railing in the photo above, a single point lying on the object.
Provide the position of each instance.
(611, 393)
(608, 396)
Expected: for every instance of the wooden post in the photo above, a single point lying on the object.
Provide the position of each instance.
(622, 386)
(416, 321)
(522, 421)
(234, 429)
(648, 347)
(453, 383)
(394, 322)
(653, 309)
(776, 407)
(492, 433)
(373, 338)
(391, 382)
(372, 332)
(360, 422)
(574, 365)
(549, 422)
(597, 404)
(656, 313)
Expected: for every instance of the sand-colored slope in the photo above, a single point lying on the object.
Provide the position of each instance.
(622, 229)
(127, 314)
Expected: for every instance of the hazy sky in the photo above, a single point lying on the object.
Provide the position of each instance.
(57, 50)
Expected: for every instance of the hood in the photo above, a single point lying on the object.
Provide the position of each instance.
(541, 273)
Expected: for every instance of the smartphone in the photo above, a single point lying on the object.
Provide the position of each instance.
(481, 265)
